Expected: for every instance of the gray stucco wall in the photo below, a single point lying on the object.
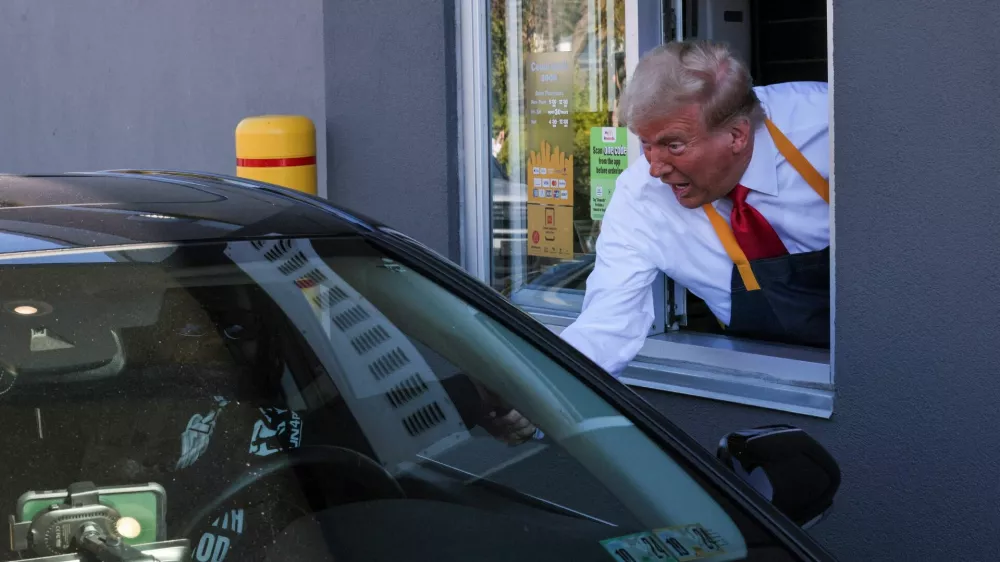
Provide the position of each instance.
(392, 115)
(96, 84)
(917, 363)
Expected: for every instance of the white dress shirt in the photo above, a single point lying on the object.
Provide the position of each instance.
(645, 230)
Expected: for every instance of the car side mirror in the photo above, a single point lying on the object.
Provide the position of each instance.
(787, 466)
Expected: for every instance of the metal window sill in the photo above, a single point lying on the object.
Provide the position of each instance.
(776, 377)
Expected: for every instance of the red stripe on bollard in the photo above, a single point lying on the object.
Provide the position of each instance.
(275, 162)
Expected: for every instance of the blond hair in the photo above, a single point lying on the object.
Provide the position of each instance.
(696, 71)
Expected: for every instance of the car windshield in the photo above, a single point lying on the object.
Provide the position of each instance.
(316, 399)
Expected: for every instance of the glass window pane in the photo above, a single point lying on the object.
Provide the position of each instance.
(557, 70)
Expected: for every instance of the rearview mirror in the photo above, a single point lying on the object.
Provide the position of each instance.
(787, 466)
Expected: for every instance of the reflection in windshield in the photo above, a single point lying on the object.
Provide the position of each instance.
(361, 350)
(300, 399)
(10, 241)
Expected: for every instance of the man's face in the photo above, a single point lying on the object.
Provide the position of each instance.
(699, 165)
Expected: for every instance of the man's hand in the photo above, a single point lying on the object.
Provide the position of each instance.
(501, 420)
(511, 427)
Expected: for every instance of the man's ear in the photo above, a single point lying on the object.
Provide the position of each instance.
(740, 134)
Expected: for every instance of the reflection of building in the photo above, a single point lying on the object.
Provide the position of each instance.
(401, 124)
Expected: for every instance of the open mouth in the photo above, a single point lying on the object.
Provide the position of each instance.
(680, 189)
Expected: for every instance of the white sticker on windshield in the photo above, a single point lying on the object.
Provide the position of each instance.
(637, 547)
(277, 430)
(194, 440)
(691, 542)
(212, 548)
(231, 521)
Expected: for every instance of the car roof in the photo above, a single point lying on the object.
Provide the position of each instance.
(126, 207)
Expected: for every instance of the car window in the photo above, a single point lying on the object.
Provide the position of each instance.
(318, 399)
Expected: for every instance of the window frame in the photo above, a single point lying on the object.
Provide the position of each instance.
(759, 374)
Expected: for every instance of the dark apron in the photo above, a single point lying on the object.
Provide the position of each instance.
(792, 304)
(787, 298)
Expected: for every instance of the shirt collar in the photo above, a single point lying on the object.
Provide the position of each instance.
(761, 174)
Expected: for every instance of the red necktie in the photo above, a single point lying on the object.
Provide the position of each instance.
(753, 233)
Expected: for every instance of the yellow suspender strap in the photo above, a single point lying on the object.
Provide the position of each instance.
(799, 162)
(732, 247)
(725, 232)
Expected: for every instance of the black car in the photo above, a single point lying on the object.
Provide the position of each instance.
(201, 367)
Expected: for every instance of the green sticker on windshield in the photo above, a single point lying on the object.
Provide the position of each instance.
(638, 547)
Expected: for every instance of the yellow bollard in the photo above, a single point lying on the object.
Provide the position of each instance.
(278, 149)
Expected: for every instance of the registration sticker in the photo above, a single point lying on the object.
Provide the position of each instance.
(638, 547)
(691, 542)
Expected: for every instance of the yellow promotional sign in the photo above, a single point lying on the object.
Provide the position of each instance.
(550, 231)
(550, 176)
(548, 100)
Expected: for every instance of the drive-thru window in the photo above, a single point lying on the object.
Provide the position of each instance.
(543, 145)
